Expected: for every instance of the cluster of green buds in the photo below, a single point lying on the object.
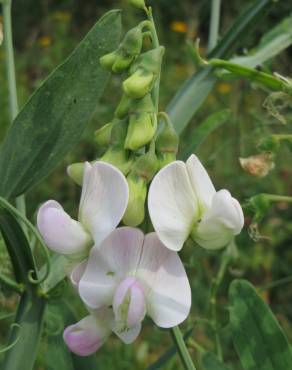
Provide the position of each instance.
(131, 140)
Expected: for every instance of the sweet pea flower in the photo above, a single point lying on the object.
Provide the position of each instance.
(183, 202)
(127, 277)
(103, 202)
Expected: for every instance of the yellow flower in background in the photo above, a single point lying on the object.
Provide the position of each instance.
(178, 26)
(223, 88)
(45, 41)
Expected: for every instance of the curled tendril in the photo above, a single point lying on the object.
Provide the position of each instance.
(11, 345)
(36, 234)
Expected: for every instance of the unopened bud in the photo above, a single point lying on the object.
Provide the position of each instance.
(76, 172)
(167, 140)
(135, 211)
(122, 63)
(141, 129)
(138, 84)
(132, 42)
(146, 165)
(140, 4)
(123, 108)
(118, 157)
(108, 60)
(102, 136)
(149, 61)
(119, 132)
(258, 165)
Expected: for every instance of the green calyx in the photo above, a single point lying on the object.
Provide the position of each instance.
(146, 165)
(102, 136)
(149, 61)
(269, 144)
(135, 211)
(140, 4)
(118, 157)
(141, 130)
(132, 42)
(165, 158)
(76, 172)
(167, 141)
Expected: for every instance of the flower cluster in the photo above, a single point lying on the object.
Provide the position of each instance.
(121, 274)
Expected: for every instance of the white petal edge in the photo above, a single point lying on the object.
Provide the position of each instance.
(167, 288)
(172, 205)
(60, 232)
(104, 199)
(201, 182)
(115, 259)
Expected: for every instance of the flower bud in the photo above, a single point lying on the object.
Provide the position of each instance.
(149, 61)
(132, 42)
(165, 158)
(108, 60)
(140, 4)
(258, 165)
(167, 140)
(122, 109)
(122, 63)
(138, 84)
(141, 130)
(102, 136)
(135, 211)
(119, 132)
(76, 172)
(117, 156)
(146, 165)
(142, 105)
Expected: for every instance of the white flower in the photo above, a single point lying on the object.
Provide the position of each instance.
(129, 276)
(103, 202)
(183, 202)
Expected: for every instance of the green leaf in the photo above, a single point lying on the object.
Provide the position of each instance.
(201, 132)
(194, 91)
(54, 118)
(258, 338)
(57, 273)
(29, 318)
(211, 362)
(272, 44)
(17, 246)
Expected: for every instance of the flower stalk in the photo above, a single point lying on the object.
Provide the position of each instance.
(182, 348)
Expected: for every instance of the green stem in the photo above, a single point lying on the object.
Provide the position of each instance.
(11, 79)
(182, 348)
(213, 302)
(277, 198)
(9, 283)
(276, 283)
(155, 42)
(214, 24)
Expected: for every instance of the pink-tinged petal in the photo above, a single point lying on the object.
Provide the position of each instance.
(172, 205)
(108, 264)
(166, 285)
(86, 336)
(129, 303)
(219, 225)
(77, 273)
(129, 335)
(104, 199)
(201, 182)
(61, 233)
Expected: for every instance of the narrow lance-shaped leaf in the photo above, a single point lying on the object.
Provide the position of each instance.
(211, 362)
(202, 131)
(194, 91)
(54, 118)
(258, 338)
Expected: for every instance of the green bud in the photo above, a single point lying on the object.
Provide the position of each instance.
(146, 165)
(165, 158)
(132, 42)
(123, 108)
(269, 144)
(102, 136)
(122, 63)
(138, 84)
(144, 105)
(150, 61)
(141, 130)
(108, 60)
(135, 211)
(117, 156)
(167, 140)
(119, 132)
(76, 172)
(140, 4)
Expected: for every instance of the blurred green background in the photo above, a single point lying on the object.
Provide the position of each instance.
(44, 34)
